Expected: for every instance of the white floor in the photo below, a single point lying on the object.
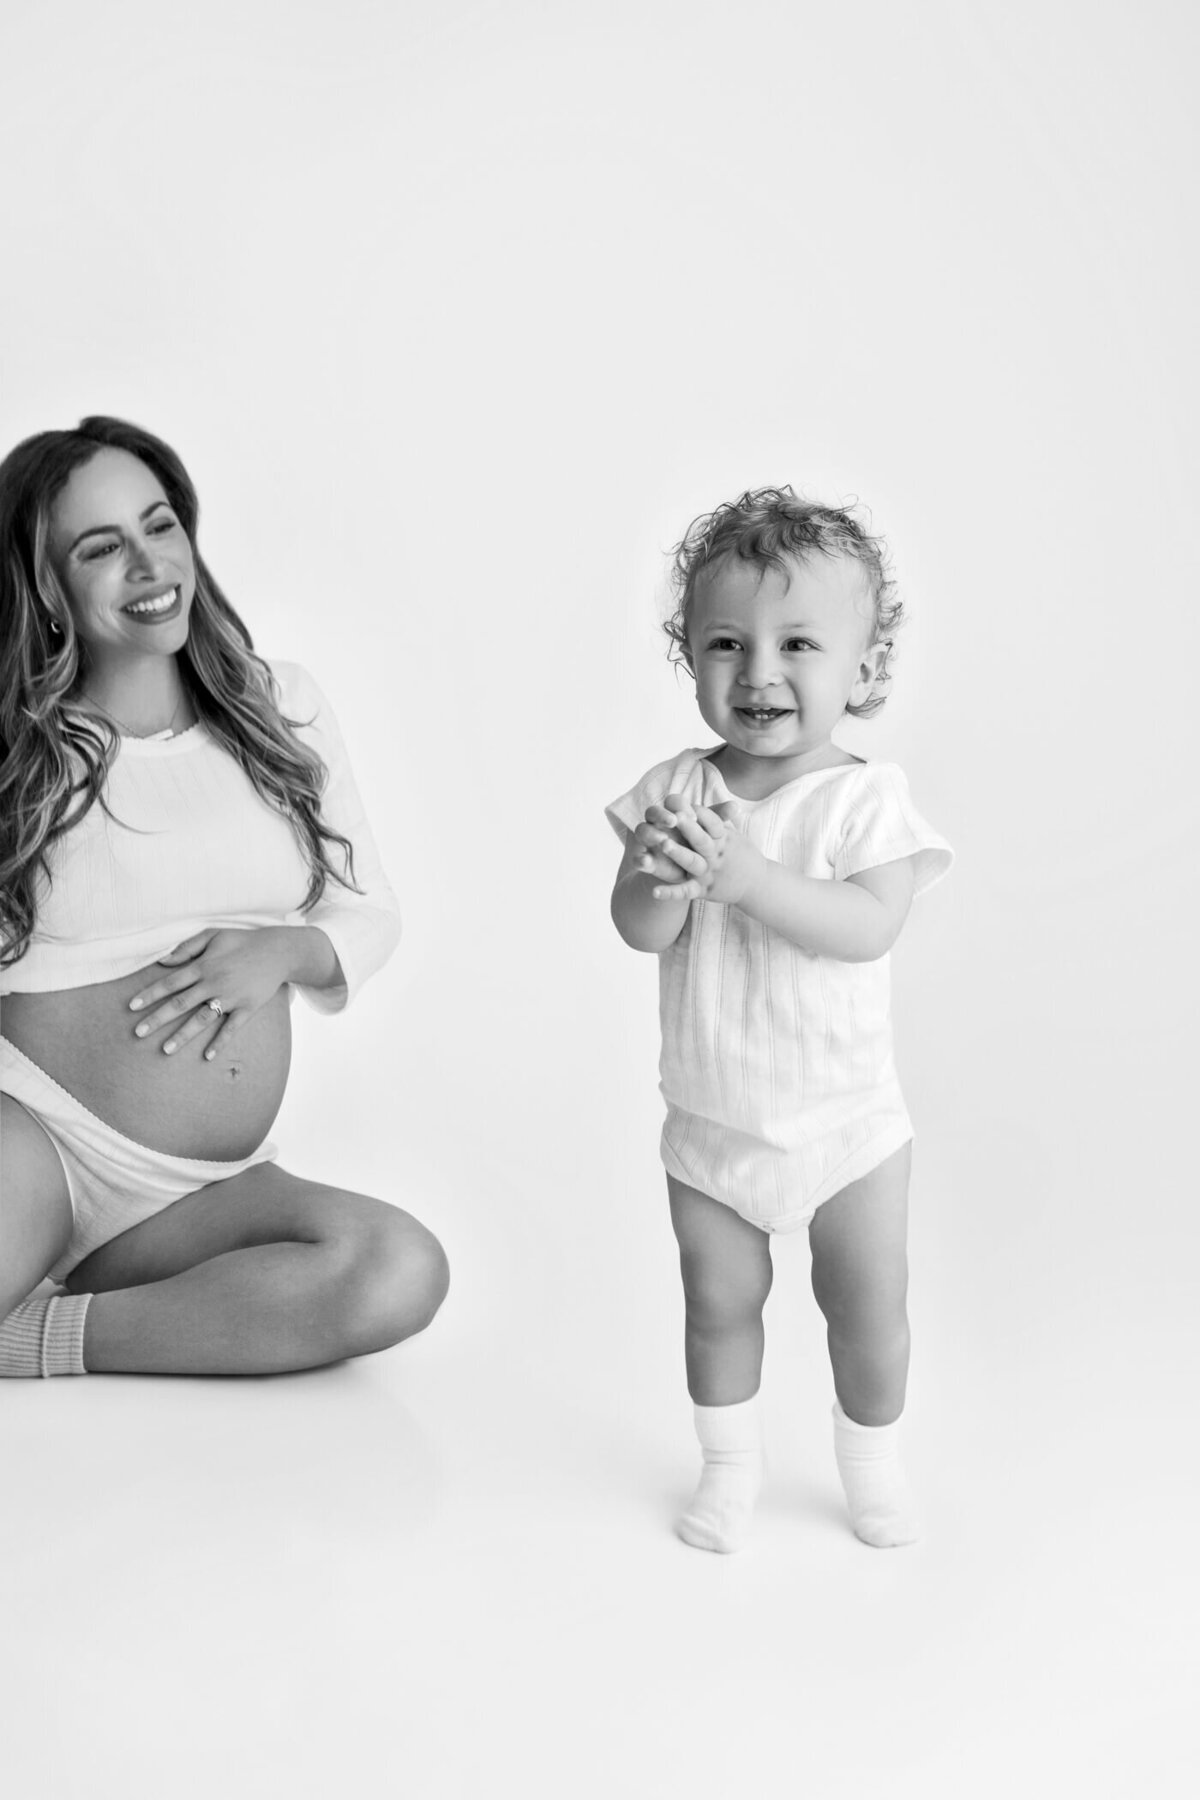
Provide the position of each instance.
(449, 1570)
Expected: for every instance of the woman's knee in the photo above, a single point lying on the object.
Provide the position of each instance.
(390, 1276)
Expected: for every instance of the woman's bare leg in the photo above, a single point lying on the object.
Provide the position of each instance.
(35, 1205)
(256, 1274)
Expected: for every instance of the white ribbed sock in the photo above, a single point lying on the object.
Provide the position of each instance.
(718, 1517)
(44, 1336)
(882, 1510)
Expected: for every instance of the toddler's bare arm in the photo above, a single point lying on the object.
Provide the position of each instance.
(856, 920)
(644, 922)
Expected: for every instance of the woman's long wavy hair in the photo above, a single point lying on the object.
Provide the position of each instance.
(765, 526)
(54, 757)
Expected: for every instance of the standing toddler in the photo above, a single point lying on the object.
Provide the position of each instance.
(772, 873)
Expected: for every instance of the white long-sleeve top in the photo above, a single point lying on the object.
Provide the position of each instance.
(777, 1063)
(184, 844)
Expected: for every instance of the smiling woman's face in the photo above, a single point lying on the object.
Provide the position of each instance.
(123, 560)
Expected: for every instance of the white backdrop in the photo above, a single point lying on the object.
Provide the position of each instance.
(458, 315)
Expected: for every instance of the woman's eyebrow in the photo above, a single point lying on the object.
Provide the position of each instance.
(113, 530)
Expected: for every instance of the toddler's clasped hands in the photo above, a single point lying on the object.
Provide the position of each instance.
(694, 852)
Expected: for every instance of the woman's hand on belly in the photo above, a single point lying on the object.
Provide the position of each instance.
(185, 1105)
(218, 981)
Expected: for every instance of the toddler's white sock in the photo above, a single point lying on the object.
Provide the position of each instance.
(44, 1336)
(718, 1517)
(882, 1510)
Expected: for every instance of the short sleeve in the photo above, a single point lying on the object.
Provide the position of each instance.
(363, 927)
(881, 824)
(690, 773)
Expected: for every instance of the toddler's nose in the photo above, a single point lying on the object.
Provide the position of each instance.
(760, 670)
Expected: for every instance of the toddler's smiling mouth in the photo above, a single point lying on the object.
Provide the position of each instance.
(762, 715)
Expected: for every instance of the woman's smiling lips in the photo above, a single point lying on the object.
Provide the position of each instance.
(154, 608)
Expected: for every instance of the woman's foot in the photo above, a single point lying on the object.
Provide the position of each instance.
(44, 1335)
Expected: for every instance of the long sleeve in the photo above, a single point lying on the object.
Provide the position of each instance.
(363, 928)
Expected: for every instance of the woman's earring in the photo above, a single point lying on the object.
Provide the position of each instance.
(55, 628)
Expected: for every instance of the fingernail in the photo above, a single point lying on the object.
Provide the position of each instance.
(168, 1049)
(140, 1030)
(135, 1006)
(208, 1055)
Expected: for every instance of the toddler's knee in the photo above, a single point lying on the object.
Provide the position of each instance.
(855, 1308)
(717, 1297)
(869, 1338)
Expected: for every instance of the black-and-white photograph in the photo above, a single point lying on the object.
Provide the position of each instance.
(598, 756)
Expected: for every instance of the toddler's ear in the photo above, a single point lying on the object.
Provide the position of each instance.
(869, 672)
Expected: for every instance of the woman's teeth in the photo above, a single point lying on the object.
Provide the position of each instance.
(161, 604)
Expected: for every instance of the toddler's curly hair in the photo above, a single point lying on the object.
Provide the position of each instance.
(766, 525)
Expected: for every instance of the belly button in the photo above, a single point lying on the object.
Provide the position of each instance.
(235, 1070)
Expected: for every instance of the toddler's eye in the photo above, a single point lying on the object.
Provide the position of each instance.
(799, 644)
(724, 643)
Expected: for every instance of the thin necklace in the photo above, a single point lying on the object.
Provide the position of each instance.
(167, 730)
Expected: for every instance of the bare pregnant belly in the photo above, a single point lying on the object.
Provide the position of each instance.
(219, 1110)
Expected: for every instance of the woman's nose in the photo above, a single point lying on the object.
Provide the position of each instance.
(145, 559)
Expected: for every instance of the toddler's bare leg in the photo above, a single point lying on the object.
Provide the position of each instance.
(860, 1279)
(726, 1266)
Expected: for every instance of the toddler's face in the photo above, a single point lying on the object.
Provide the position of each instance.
(778, 658)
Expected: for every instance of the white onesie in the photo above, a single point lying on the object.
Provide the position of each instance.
(776, 1063)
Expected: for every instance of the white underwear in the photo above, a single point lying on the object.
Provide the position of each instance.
(113, 1182)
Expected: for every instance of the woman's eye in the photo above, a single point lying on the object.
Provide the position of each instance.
(161, 525)
(98, 551)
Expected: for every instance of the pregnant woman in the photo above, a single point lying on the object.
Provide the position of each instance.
(181, 845)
